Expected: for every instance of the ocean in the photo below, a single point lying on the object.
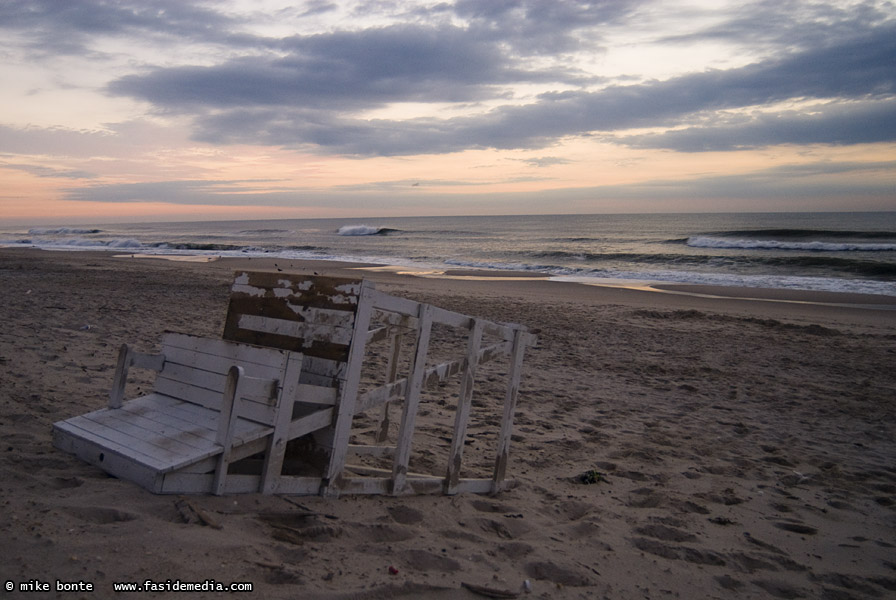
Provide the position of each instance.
(840, 252)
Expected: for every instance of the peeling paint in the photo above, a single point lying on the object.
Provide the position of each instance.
(352, 289)
(249, 290)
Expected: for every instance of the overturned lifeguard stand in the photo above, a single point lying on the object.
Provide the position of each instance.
(269, 408)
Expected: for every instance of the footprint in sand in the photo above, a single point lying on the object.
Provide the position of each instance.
(405, 515)
(421, 560)
(800, 528)
(556, 574)
(100, 514)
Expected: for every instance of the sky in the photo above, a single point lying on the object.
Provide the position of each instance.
(135, 110)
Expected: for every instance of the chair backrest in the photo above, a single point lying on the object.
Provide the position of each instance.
(310, 314)
(195, 371)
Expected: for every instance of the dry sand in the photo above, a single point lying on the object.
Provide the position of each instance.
(746, 449)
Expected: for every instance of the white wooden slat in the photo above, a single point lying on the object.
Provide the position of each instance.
(377, 396)
(450, 318)
(333, 317)
(254, 411)
(309, 331)
(259, 389)
(378, 335)
(245, 448)
(235, 352)
(375, 471)
(310, 423)
(411, 401)
(464, 404)
(315, 394)
(152, 362)
(226, 426)
(127, 358)
(276, 447)
(391, 375)
(394, 304)
(171, 452)
(101, 434)
(513, 385)
(116, 394)
(433, 375)
(93, 441)
(169, 419)
(475, 486)
(349, 391)
(113, 462)
(218, 364)
(246, 430)
(386, 317)
(333, 369)
(364, 485)
(202, 419)
(182, 431)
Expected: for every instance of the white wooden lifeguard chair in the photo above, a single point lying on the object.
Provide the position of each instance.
(289, 371)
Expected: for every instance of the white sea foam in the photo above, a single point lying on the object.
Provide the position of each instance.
(358, 230)
(60, 231)
(815, 246)
(77, 243)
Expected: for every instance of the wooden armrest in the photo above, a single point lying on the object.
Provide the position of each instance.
(127, 358)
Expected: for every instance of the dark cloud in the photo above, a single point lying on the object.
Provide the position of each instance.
(836, 124)
(788, 25)
(539, 27)
(340, 70)
(310, 96)
(70, 27)
(312, 91)
(48, 172)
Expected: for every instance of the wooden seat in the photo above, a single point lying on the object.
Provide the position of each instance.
(213, 403)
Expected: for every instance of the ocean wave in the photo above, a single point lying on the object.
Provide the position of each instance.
(771, 244)
(201, 246)
(826, 234)
(828, 284)
(62, 231)
(261, 231)
(83, 243)
(497, 266)
(356, 230)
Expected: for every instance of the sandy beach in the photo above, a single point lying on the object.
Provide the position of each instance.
(743, 445)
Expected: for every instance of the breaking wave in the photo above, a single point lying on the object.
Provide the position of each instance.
(62, 231)
(772, 244)
(354, 230)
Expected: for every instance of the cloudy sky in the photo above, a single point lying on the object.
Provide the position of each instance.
(149, 110)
